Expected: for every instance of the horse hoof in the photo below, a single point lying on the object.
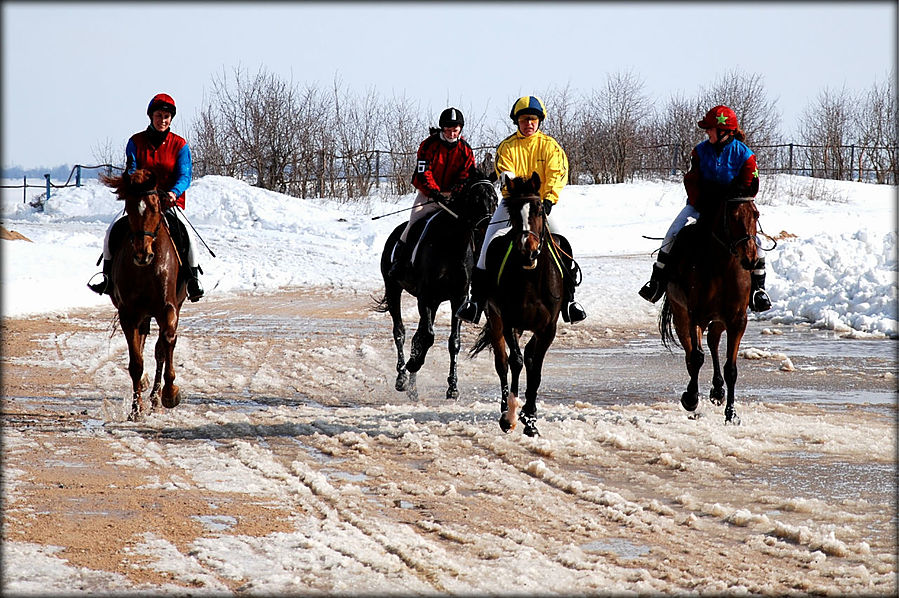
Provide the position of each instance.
(170, 400)
(452, 393)
(716, 396)
(733, 420)
(402, 381)
(504, 424)
(689, 400)
(530, 424)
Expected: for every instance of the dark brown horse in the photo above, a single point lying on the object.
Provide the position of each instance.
(146, 285)
(708, 288)
(526, 291)
(440, 271)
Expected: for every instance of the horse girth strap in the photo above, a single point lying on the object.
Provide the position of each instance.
(552, 252)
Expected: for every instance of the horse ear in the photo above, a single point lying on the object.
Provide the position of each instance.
(506, 177)
(535, 181)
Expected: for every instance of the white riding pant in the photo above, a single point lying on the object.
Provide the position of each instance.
(500, 225)
(687, 213)
(420, 209)
(191, 242)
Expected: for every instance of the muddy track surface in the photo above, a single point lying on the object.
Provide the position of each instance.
(292, 465)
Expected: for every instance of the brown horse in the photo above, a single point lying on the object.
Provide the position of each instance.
(146, 285)
(525, 294)
(708, 288)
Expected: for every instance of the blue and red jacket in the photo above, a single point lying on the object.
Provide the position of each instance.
(726, 171)
(169, 161)
(441, 165)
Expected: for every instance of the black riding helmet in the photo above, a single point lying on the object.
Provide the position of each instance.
(451, 117)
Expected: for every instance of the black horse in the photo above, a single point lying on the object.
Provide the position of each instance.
(527, 268)
(447, 245)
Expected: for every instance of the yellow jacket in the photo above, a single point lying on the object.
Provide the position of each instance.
(538, 153)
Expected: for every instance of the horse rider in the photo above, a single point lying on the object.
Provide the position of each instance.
(526, 151)
(167, 155)
(721, 167)
(444, 159)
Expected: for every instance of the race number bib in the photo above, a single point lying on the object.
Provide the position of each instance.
(422, 165)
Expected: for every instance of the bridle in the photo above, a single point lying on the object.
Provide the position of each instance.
(145, 233)
(731, 245)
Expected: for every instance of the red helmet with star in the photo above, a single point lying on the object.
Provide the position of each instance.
(719, 117)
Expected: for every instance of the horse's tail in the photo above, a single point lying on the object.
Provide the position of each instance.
(380, 305)
(482, 342)
(666, 325)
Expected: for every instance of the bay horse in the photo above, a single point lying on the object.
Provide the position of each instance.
(708, 287)
(146, 284)
(450, 241)
(525, 267)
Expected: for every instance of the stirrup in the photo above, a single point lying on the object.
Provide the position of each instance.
(99, 287)
(760, 301)
(469, 312)
(573, 313)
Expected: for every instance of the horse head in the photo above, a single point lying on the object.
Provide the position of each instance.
(737, 229)
(526, 216)
(142, 207)
(476, 199)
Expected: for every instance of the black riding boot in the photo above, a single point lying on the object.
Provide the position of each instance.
(194, 290)
(400, 260)
(758, 297)
(572, 311)
(653, 290)
(105, 285)
(470, 311)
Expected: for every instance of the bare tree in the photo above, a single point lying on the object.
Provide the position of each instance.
(562, 124)
(826, 128)
(672, 136)
(613, 126)
(404, 129)
(879, 151)
(107, 152)
(746, 95)
(357, 131)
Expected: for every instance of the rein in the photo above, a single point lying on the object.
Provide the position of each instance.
(733, 245)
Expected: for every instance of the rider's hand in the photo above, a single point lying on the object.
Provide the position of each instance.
(547, 206)
(168, 200)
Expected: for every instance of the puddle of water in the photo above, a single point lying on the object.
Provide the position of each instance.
(623, 548)
(216, 523)
(345, 476)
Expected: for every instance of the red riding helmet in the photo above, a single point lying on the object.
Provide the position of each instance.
(161, 101)
(719, 117)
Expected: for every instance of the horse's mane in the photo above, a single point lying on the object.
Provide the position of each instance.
(140, 180)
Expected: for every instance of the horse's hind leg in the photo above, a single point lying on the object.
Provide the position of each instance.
(716, 394)
(501, 364)
(694, 358)
(394, 306)
(165, 352)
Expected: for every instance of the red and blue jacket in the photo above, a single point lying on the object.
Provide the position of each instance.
(730, 170)
(169, 161)
(441, 165)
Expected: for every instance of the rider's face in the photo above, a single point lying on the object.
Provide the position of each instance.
(528, 124)
(161, 119)
(452, 133)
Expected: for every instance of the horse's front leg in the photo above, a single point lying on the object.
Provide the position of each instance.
(716, 394)
(501, 365)
(135, 364)
(534, 354)
(694, 358)
(165, 354)
(511, 403)
(423, 337)
(734, 336)
(453, 345)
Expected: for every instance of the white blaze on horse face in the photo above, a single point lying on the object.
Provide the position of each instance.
(141, 207)
(525, 225)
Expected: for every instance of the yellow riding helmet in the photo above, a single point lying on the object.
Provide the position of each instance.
(528, 105)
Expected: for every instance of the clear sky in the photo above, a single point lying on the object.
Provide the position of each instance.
(77, 76)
